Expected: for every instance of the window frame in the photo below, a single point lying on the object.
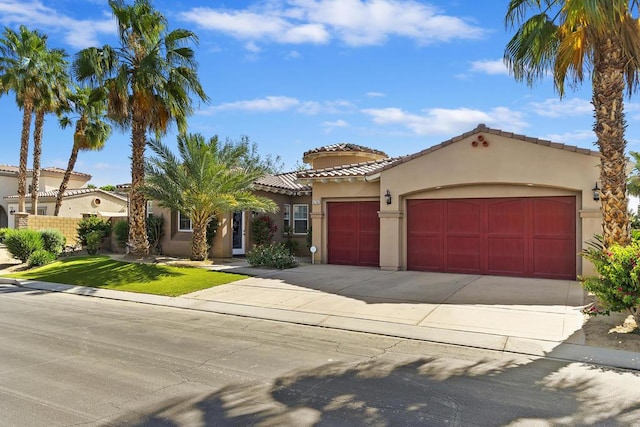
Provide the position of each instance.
(305, 219)
(183, 217)
(286, 217)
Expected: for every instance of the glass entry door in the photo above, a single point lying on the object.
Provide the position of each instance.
(238, 233)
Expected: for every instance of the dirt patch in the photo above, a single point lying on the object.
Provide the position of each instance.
(617, 331)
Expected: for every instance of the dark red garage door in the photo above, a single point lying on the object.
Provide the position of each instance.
(530, 237)
(354, 233)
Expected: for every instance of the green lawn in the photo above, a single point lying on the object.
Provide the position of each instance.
(104, 272)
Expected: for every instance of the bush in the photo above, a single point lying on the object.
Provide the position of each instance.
(617, 287)
(22, 243)
(263, 229)
(155, 231)
(289, 242)
(90, 224)
(94, 241)
(40, 257)
(275, 255)
(53, 241)
(3, 231)
(121, 231)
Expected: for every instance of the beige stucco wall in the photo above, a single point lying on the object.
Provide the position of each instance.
(324, 193)
(505, 168)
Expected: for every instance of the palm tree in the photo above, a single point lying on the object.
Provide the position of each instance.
(148, 80)
(208, 179)
(50, 96)
(21, 62)
(91, 131)
(571, 38)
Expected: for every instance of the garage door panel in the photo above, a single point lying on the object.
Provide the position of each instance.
(353, 233)
(510, 236)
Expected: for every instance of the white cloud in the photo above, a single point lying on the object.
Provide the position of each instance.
(554, 107)
(77, 33)
(329, 126)
(375, 94)
(441, 121)
(354, 22)
(270, 104)
(294, 54)
(573, 138)
(488, 66)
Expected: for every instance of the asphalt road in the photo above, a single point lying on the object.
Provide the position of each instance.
(71, 360)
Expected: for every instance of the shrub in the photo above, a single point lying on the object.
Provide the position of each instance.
(275, 255)
(94, 241)
(289, 242)
(617, 286)
(3, 231)
(155, 231)
(212, 230)
(90, 224)
(53, 241)
(263, 229)
(121, 231)
(22, 243)
(40, 257)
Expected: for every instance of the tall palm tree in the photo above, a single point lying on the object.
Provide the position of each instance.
(50, 96)
(91, 131)
(21, 62)
(149, 80)
(208, 180)
(571, 38)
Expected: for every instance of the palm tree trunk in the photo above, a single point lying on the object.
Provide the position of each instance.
(199, 247)
(24, 154)
(37, 153)
(65, 179)
(138, 242)
(608, 94)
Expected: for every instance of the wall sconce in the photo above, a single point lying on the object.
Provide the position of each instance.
(596, 192)
(387, 197)
(12, 211)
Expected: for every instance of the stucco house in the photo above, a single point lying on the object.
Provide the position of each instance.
(50, 179)
(484, 202)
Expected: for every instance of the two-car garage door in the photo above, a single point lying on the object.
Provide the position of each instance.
(531, 237)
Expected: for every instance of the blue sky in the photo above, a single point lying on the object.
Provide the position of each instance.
(395, 75)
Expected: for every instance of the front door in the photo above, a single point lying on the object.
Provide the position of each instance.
(238, 233)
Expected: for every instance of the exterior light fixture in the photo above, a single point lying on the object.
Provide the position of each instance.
(12, 211)
(596, 192)
(387, 197)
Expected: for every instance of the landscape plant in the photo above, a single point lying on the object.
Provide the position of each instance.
(40, 257)
(22, 243)
(155, 232)
(93, 241)
(90, 224)
(121, 232)
(617, 285)
(274, 255)
(53, 241)
(262, 229)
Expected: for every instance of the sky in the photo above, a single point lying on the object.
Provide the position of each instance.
(293, 75)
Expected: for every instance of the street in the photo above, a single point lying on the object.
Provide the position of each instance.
(75, 360)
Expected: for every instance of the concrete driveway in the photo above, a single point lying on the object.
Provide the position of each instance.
(538, 309)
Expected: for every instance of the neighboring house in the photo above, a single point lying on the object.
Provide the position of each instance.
(50, 179)
(484, 202)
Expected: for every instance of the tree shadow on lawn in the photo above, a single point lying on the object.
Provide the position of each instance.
(94, 271)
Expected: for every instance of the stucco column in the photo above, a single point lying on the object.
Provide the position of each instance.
(317, 233)
(591, 222)
(391, 242)
(223, 242)
(21, 220)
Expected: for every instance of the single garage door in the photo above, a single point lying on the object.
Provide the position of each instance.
(529, 237)
(353, 233)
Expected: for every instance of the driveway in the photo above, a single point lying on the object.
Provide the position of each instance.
(538, 309)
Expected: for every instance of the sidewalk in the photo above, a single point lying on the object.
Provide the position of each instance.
(527, 316)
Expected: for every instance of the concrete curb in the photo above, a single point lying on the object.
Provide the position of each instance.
(501, 343)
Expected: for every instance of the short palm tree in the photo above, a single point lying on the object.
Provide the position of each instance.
(148, 80)
(571, 38)
(206, 181)
(22, 55)
(88, 108)
(50, 97)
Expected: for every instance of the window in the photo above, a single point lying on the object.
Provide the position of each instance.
(286, 216)
(300, 219)
(184, 222)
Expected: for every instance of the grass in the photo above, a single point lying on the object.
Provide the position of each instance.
(106, 273)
